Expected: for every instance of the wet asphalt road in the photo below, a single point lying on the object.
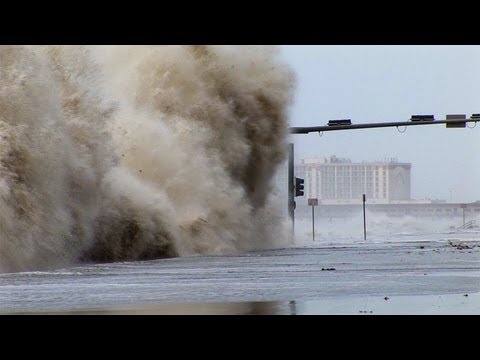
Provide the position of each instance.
(282, 279)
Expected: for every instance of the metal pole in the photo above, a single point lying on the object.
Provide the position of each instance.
(309, 129)
(291, 195)
(464, 218)
(364, 220)
(313, 222)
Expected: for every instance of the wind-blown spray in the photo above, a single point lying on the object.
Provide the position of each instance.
(138, 152)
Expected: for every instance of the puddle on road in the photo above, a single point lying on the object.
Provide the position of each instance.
(387, 305)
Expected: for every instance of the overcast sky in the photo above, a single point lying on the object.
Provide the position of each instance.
(390, 83)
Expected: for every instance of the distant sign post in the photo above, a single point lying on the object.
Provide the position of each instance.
(463, 206)
(364, 220)
(313, 202)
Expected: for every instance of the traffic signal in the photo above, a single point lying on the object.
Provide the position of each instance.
(299, 186)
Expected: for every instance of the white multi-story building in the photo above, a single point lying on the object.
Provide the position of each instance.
(340, 181)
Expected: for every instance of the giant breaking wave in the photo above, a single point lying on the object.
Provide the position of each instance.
(114, 153)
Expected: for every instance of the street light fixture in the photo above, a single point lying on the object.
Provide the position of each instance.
(422, 118)
(340, 122)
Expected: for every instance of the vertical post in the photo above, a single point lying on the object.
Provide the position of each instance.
(313, 222)
(463, 206)
(293, 307)
(364, 220)
(291, 195)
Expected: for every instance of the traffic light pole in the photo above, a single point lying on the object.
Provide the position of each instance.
(449, 123)
(291, 196)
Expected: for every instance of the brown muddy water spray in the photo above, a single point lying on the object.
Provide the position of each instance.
(111, 153)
